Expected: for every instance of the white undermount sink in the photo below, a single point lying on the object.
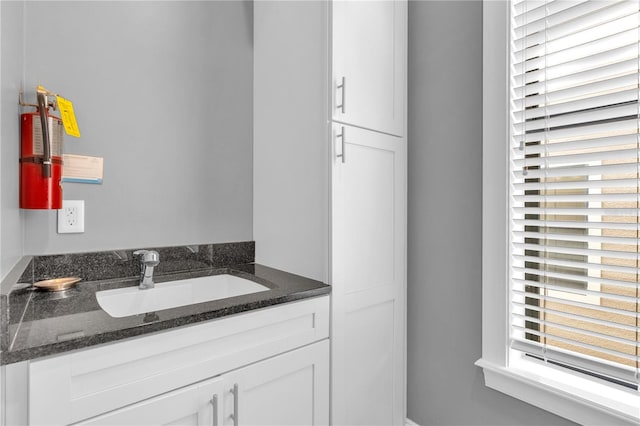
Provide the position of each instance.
(122, 302)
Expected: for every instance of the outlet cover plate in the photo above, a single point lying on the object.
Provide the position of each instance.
(71, 217)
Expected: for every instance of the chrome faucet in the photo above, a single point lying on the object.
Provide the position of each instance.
(148, 259)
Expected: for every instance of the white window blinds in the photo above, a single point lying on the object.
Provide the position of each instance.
(575, 184)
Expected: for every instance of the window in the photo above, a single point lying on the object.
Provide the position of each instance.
(561, 206)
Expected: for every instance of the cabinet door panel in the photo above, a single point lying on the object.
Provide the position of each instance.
(369, 360)
(368, 178)
(369, 43)
(189, 406)
(289, 390)
(368, 278)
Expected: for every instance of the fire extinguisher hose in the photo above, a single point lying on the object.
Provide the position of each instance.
(46, 140)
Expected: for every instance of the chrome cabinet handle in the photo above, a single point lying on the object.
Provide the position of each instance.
(234, 416)
(343, 87)
(214, 402)
(342, 137)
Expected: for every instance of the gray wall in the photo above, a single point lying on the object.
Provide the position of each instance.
(445, 190)
(162, 91)
(11, 74)
(290, 202)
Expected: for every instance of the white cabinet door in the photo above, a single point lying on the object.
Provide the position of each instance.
(195, 405)
(288, 390)
(369, 45)
(368, 277)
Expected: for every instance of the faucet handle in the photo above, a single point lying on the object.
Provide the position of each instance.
(148, 257)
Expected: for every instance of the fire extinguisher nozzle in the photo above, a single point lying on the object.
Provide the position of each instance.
(46, 169)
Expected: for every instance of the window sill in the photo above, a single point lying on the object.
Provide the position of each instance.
(583, 401)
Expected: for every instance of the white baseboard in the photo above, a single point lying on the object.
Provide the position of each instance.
(408, 422)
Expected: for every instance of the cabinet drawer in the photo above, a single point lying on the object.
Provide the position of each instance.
(68, 388)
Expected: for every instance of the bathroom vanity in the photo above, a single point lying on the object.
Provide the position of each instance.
(261, 357)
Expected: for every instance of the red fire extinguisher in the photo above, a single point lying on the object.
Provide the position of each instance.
(41, 158)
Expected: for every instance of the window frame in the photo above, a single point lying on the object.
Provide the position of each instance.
(570, 395)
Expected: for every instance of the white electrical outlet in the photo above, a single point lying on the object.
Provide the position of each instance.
(71, 217)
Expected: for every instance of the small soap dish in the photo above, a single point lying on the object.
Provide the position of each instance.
(57, 284)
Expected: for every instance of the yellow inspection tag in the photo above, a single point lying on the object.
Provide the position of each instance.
(68, 116)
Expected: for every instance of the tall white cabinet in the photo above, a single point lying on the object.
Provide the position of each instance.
(330, 182)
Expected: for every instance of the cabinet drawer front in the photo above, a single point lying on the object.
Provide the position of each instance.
(68, 388)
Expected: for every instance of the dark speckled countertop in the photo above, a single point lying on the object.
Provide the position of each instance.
(37, 323)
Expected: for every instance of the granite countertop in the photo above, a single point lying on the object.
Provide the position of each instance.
(36, 323)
